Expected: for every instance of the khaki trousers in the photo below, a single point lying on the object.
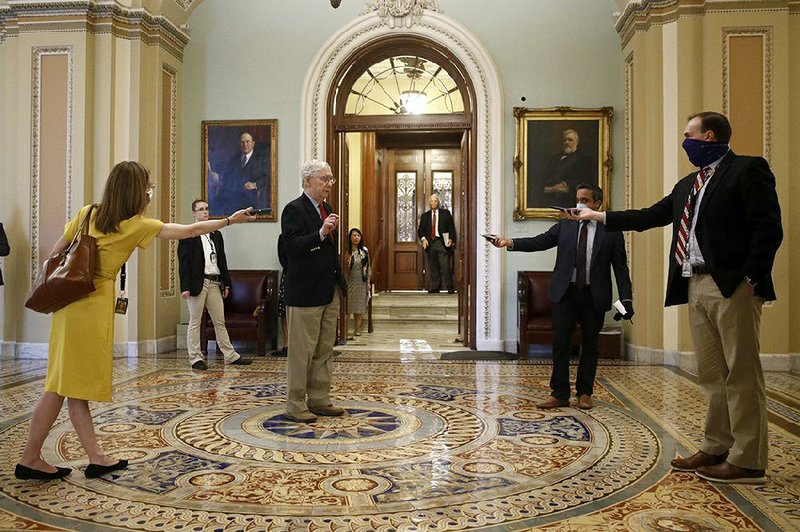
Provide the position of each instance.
(725, 332)
(312, 333)
(210, 297)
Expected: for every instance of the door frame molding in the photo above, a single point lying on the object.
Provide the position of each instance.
(479, 68)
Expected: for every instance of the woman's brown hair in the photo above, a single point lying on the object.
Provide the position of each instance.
(125, 195)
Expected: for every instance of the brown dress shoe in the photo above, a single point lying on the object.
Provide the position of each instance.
(585, 402)
(328, 410)
(698, 459)
(553, 402)
(302, 417)
(730, 474)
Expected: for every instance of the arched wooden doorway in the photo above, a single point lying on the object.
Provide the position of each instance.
(431, 68)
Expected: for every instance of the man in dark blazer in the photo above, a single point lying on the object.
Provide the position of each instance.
(245, 179)
(438, 241)
(314, 285)
(580, 290)
(5, 249)
(726, 231)
(205, 282)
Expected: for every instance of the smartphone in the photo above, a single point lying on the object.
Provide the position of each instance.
(565, 210)
(490, 238)
(259, 212)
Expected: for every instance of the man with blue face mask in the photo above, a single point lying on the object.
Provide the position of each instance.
(580, 291)
(726, 231)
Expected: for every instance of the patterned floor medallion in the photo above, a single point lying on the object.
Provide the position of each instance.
(440, 446)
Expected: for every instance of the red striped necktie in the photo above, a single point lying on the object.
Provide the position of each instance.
(682, 246)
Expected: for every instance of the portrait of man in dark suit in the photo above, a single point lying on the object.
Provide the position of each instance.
(240, 167)
(553, 179)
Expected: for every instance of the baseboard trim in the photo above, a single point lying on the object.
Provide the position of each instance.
(121, 349)
(686, 359)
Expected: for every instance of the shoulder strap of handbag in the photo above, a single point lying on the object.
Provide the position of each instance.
(84, 227)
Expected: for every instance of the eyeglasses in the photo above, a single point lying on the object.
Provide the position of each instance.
(327, 179)
(201, 209)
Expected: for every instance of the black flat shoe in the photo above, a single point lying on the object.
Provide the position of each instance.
(96, 470)
(26, 473)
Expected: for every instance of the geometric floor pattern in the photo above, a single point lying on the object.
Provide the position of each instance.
(425, 445)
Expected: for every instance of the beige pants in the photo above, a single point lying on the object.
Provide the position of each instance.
(312, 333)
(210, 297)
(725, 332)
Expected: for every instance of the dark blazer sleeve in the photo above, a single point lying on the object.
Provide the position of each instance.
(546, 240)
(762, 210)
(657, 215)
(451, 226)
(222, 260)
(185, 264)
(5, 249)
(619, 261)
(424, 228)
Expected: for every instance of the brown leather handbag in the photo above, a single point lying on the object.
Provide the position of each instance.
(68, 275)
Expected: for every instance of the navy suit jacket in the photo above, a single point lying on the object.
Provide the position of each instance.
(192, 262)
(313, 268)
(738, 226)
(608, 248)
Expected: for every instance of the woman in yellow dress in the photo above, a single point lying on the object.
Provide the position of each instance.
(79, 364)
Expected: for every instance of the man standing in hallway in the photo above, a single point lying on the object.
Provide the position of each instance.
(580, 291)
(726, 227)
(205, 282)
(314, 285)
(437, 234)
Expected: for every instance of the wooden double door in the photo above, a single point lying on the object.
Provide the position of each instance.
(411, 176)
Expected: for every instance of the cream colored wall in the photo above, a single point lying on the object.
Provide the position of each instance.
(354, 215)
(114, 116)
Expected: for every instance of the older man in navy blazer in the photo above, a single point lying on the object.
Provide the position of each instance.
(314, 285)
(726, 230)
(580, 290)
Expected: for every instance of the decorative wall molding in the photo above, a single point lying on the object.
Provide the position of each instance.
(173, 174)
(17, 18)
(766, 55)
(36, 126)
(480, 68)
(640, 15)
(628, 162)
(400, 13)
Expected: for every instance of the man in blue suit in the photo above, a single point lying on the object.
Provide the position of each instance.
(580, 290)
(314, 285)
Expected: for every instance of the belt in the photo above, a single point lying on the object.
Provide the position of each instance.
(700, 270)
(211, 277)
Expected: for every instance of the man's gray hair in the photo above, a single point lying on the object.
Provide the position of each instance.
(311, 169)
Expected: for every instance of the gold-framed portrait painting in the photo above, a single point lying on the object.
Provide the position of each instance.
(240, 163)
(556, 150)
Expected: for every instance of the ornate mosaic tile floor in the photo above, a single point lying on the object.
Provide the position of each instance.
(425, 445)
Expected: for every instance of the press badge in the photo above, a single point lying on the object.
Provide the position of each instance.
(122, 304)
(686, 268)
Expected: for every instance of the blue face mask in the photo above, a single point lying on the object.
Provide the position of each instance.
(701, 153)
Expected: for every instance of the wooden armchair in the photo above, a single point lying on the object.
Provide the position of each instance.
(536, 311)
(251, 310)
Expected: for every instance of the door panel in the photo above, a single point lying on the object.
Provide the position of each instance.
(405, 171)
(413, 175)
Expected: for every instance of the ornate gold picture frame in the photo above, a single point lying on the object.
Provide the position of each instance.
(556, 150)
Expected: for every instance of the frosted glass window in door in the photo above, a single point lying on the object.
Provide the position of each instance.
(406, 211)
(443, 187)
